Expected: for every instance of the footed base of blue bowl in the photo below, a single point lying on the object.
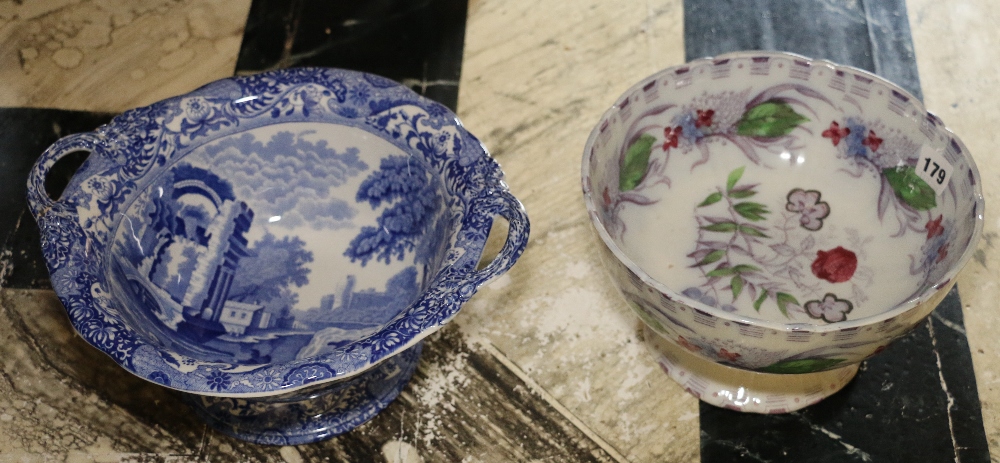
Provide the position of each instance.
(311, 414)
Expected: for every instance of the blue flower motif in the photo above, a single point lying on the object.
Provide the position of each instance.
(855, 141)
(359, 94)
(196, 109)
(218, 381)
(159, 377)
(267, 379)
(690, 130)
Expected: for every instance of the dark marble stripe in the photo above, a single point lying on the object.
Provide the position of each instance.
(24, 134)
(917, 401)
(418, 43)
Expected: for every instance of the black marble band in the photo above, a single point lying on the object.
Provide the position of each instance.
(917, 401)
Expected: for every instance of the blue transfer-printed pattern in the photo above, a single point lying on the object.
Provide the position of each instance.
(139, 144)
(310, 415)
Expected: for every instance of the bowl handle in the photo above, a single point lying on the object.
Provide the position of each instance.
(38, 200)
(504, 204)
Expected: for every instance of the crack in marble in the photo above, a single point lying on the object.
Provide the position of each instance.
(744, 451)
(851, 449)
(950, 324)
(292, 22)
(944, 387)
(423, 84)
(550, 399)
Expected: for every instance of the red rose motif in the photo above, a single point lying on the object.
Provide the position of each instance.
(836, 265)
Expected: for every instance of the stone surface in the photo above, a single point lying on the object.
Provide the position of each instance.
(109, 56)
(544, 364)
(956, 45)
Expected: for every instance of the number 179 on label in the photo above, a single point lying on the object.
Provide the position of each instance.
(934, 169)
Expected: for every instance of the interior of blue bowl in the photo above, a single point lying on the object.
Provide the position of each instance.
(278, 243)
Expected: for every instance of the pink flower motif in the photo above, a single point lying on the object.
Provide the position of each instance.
(835, 133)
(836, 265)
(830, 309)
(934, 227)
(672, 135)
(812, 210)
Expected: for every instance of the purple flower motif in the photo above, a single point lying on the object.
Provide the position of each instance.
(812, 211)
(696, 294)
(830, 309)
(218, 381)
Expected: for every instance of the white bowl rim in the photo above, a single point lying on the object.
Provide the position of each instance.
(897, 310)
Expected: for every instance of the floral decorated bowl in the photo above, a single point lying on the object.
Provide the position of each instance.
(276, 246)
(775, 220)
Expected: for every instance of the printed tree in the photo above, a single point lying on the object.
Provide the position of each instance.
(404, 183)
(266, 276)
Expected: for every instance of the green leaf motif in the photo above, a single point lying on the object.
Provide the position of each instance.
(742, 193)
(713, 256)
(770, 119)
(910, 188)
(711, 199)
(793, 367)
(721, 272)
(734, 177)
(752, 231)
(744, 268)
(636, 163)
(759, 301)
(724, 227)
(727, 271)
(646, 318)
(737, 284)
(783, 300)
(751, 211)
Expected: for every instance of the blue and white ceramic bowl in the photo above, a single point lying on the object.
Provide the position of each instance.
(264, 235)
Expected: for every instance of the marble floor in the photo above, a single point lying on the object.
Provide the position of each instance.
(545, 363)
